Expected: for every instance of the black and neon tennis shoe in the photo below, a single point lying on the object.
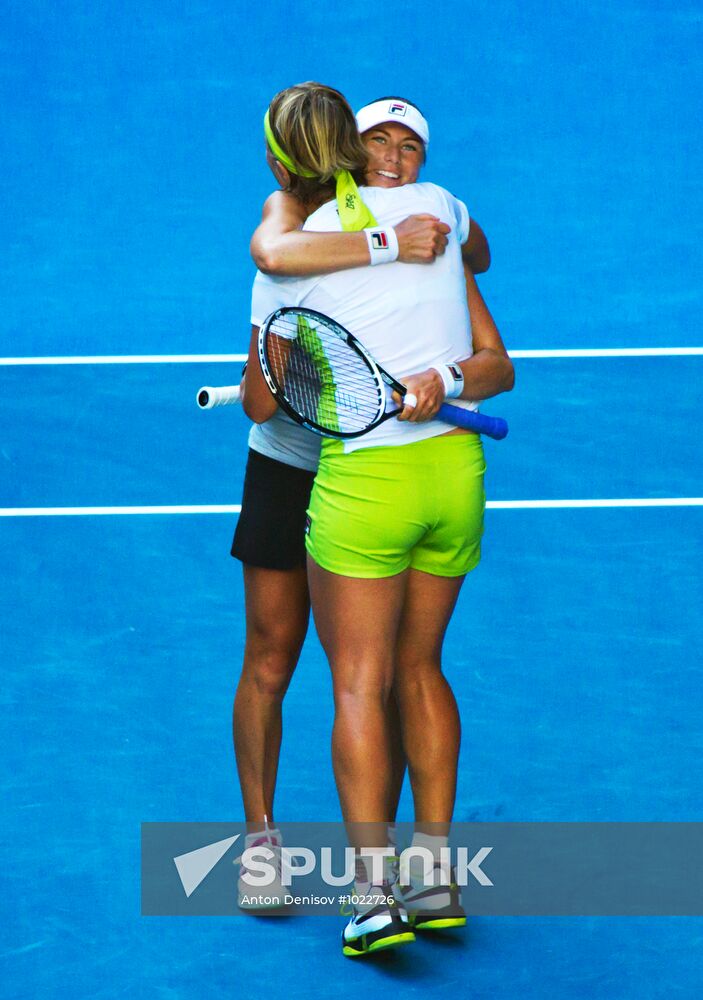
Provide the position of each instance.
(377, 926)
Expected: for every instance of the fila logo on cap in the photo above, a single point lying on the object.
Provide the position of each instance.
(379, 241)
(391, 109)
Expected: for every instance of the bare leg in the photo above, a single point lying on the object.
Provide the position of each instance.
(357, 622)
(397, 756)
(277, 613)
(428, 711)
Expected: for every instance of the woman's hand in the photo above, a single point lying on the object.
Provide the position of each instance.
(428, 389)
(421, 238)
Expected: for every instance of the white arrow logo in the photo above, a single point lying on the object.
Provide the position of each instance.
(196, 865)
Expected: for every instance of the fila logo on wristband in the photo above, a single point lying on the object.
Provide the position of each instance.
(453, 379)
(383, 245)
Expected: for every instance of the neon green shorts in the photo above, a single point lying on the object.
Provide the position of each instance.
(376, 511)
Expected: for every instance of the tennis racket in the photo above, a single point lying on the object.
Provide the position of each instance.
(325, 379)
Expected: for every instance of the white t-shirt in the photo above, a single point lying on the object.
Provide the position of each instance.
(408, 316)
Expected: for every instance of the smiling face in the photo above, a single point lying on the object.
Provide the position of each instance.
(395, 155)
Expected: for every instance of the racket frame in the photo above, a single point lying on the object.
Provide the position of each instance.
(381, 377)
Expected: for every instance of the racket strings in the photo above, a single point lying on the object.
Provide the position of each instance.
(321, 376)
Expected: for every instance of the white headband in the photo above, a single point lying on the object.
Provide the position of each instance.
(393, 110)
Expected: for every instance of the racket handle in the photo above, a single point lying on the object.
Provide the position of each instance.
(218, 395)
(494, 427)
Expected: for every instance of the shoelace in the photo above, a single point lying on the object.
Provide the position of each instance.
(392, 870)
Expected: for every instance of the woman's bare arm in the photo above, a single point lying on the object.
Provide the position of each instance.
(280, 246)
(476, 252)
(257, 400)
(489, 371)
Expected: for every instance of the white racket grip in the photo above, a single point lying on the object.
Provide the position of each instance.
(410, 399)
(218, 395)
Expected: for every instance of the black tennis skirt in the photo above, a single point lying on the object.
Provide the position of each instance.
(270, 532)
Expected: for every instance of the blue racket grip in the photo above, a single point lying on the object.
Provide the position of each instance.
(494, 427)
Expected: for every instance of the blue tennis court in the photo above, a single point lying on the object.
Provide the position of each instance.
(133, 177)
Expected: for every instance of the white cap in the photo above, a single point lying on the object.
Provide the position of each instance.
(393, 110)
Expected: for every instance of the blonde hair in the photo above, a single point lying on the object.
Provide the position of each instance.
(317, 129)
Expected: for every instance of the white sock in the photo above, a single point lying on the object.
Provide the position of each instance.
(431, 843)
(365, 866)
(435, 845)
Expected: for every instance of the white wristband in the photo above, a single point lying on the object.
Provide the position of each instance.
(453, 379)
(383, 245)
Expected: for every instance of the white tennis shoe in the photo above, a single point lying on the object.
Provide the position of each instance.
(254, 898)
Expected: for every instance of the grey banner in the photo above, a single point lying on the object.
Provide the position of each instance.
(518, 869)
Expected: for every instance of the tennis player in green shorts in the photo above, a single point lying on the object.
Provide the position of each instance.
(270, 534)
(382, 608)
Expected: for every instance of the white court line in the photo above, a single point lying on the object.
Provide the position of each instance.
(125, 359)
(71, 511)
(236, 508)
(612, 352)
(554, 504)
(155, 359)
